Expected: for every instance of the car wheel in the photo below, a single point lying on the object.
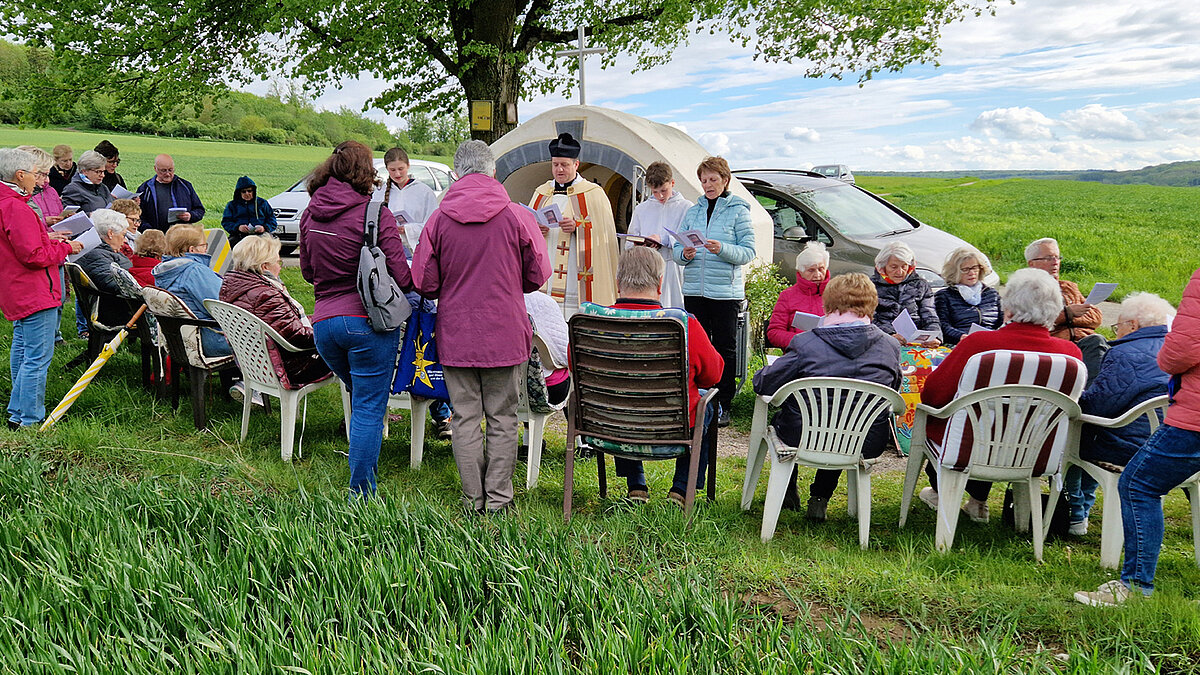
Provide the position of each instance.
(287, 250)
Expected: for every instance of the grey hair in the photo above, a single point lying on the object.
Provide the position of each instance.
(91, 160)
(1031, 251)
(951, 271)
(43, 159)
(1147, 309)
(897, 249)
(474, 157)
(12, 161)
(108, 221)
(1033, 296)
(814, 253)
(639, 269)
(251, 252)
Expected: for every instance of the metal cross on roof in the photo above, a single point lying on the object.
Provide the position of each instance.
(582, 51)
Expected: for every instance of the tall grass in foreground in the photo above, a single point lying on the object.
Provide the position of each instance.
(105, 575)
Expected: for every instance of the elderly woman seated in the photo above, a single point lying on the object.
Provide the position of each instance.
(253, 284)
(97, 262)
(966, 300)
(846, 344)
(900, 288)
(186, 272)
(1031, 303)
(812, 273)
(1128, 376)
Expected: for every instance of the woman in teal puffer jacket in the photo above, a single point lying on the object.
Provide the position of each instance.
(713, 285)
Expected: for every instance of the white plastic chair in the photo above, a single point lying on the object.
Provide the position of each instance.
(1014, 430)
(835, 415)
(1112, 534)
(535, 422)
(248, 336)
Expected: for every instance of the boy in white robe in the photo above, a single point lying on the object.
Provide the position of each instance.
(651, 217)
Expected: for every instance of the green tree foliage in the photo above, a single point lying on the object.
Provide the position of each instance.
(158, 53)
(285, 116)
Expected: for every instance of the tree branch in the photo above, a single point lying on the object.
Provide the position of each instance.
(533, 19)
(543, 34)
(435, 50)
(335, 43)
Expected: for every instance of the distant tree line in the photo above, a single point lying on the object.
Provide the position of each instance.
(284, 116)
(1173, 174)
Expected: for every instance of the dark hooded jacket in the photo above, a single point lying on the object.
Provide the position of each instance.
(96, 263)
(254, 213)
(860, 352)
(268, 300)
(912, 294)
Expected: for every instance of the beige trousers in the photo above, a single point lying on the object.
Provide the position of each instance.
(485, 461)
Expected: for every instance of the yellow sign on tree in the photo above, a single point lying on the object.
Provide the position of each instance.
(481, 115)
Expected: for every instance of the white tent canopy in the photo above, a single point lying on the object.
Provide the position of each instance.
(616, 149)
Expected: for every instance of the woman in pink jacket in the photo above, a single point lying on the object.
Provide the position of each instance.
(1168, 458)
(812, 273)
(29, 262)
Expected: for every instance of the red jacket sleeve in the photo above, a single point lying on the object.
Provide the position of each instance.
(706, 364)
(779, 330)
(31, 245)
(942, 384)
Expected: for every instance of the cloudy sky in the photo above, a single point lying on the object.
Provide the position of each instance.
(1049, 84)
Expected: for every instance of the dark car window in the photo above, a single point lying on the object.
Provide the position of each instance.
(856, 214)
(785, 216)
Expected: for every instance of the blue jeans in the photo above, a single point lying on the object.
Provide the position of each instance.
(81, 319)
(29, 360)
(1080, 490)
(1170, 457)
(635, 477)
(365, 361)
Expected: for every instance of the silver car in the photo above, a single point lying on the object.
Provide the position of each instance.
(852, 222)
(290, 204)
(838, 171)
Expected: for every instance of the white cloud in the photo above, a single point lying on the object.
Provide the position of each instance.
(716, 143)
(802, 134)
(1097, 121)
(1019, 122)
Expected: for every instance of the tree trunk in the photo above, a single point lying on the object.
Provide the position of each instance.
(495, 78)
(499, 83)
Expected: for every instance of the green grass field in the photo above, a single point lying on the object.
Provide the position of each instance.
(131, 542)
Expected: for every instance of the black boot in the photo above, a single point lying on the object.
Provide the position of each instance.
(791, 498)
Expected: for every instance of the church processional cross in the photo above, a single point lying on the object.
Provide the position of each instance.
(581, 52)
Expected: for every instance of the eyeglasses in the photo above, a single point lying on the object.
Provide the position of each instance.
(42, 174)
(1117, 325)
(114, 162)
(972, 268)
(1047, 258)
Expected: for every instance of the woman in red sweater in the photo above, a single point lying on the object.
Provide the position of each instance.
(1032, 301)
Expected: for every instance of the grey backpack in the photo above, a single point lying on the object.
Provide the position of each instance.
(387, 308)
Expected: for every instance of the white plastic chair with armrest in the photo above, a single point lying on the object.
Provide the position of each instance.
(534, 421)
(1112, 535)
(835, 415)
(248, 335)
(1014, 431)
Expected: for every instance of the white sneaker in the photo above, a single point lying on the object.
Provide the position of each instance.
(976, 510)
(1078, 529)
(1109, 594)
(238, 392)
(929, 496)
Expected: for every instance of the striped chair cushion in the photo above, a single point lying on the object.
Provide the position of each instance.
(592, 309)
(951, 440)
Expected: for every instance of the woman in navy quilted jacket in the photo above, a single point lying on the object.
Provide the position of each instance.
(1128, 376)
(966, 300)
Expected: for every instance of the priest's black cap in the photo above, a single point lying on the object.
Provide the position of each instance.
(564, 146)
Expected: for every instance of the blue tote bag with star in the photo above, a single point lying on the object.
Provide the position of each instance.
(419, 372)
